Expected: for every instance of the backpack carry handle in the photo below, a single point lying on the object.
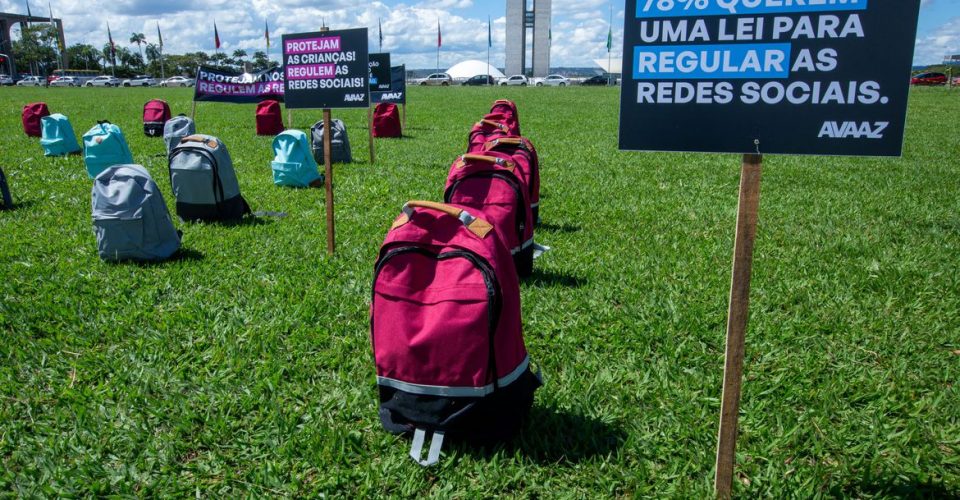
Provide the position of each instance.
(492, 123)
(210, 143)
(478, 227)
(507, 164)
(510, 141)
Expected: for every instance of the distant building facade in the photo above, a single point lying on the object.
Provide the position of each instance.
(524, 15)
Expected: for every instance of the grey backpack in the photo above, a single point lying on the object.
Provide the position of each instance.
(204, 182)
(177, 128)
(6, 201)
(339, 142)
(130, 218)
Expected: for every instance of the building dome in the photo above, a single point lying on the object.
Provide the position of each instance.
(467, 69)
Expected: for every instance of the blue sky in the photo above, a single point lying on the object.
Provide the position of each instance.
(410, 27)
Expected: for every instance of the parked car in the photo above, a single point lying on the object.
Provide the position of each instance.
(30, 81)
(103, 81)
(140, 81)
(6, 80)
(177, 81)
(929, 79)
(65, 81)
(442, 79)
(481, 80)
(515, 80)
(553, 81)
(600, 80)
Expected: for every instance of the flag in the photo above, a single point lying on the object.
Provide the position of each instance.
(266, 33)
(610, 39)
(113, 49)
(380, 26)
(439, 38)
(159, 37)
(216, 36)
(489, 33)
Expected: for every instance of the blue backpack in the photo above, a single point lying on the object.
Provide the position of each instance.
(293, 164)
(104, 146)
(57, 137)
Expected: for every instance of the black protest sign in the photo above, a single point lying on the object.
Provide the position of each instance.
(398, 87)
(768, 76)
(219, 85)
(379, 72)
(326, 69)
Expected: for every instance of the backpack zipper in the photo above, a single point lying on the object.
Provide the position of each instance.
(494, 294)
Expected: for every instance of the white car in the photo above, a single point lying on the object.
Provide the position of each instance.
(65, 81)
(103, 81)
(553, 81)
(515, 80)
(140, 81)
(6, 80)
(30, 81)
(441, 79)
(177, 81)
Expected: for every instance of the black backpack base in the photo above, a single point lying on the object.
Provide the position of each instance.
(230, 210)
(495, 418)
(154, 129)
(6, 201)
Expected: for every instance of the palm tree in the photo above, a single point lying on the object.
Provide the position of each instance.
(239, 54)
(139, 39)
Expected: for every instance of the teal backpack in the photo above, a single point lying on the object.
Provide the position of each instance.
(57, 137)
(293, 164)
(104, 146)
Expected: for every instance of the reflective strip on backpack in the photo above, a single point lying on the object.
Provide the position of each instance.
(524, 246)
(456, 392)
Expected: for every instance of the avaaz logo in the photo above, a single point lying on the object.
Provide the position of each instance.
(354, 97)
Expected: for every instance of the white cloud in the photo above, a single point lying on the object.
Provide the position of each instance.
(945, 40)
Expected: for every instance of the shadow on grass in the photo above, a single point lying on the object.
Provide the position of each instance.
(550, 278)
(21, 205)
(557, 228)
(550, 436)
(896, 487)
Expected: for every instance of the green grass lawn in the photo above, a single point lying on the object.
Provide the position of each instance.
(244, 368)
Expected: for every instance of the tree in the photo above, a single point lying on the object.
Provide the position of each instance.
(35, 48)
(239, 54)
(84, 55)
(153, 58)
(139, 39)
(220, 59)
(260, 60)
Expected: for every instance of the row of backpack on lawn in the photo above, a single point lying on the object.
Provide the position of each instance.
(445, 318)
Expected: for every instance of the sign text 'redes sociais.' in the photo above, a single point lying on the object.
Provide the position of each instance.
(825, 77)
(326, 70)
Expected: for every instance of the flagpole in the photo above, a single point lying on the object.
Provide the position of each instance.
(438, 45)
(160, 39)
(610, 47)
(489, 42)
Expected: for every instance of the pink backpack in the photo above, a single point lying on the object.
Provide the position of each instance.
(31, 118)
(492, 185)
(528, 164)
(509, 110)
(386, 121)
(446, 331)
(483, 131)
(156, 113)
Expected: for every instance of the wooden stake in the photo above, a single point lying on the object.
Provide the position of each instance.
(328, 173)
(404, 119)
(193, 113)
(737, 321)
(289, 118)
(373, 156)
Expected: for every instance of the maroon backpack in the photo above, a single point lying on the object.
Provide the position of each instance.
(155, 116)
(492, 185)
(483, 131)
(269, 118)
(528, 164)
(32, 113)
(446, 331)
(386, 120)
(509, 110)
